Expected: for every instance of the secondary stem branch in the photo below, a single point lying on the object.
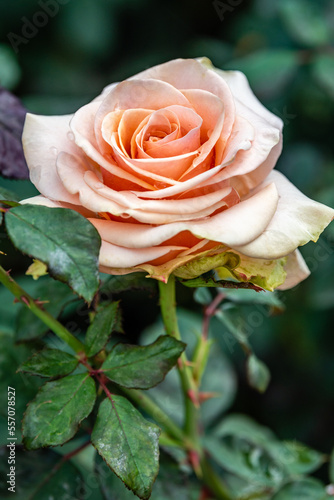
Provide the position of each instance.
(54, 325)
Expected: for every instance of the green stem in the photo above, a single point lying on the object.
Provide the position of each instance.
(189, 385)
(213, 481)
(152, 409)
(168, 312)
(50, 321)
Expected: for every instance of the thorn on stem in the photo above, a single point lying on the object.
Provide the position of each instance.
(194, 461)
(25, 300)
(193, 396)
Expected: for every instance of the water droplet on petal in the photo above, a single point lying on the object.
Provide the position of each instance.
(54, 150)
(70, 136)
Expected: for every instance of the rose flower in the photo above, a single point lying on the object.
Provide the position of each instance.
(174, 168)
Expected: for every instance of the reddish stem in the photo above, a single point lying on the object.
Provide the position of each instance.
(210, 311)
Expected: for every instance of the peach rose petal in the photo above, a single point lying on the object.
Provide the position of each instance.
(185, 121)
(296, 270)
(242, 222)
(40, 135)
(98, 198)
(158, 170)
(82, 126)
(191, 74)
(242, 93)
(131, 94)
(177, 207)
(120, 257)
(298, 220)
(124, 123)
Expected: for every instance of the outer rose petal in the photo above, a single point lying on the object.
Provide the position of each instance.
(43, 138)
(243, 222)
(298, 220)
(296, 270)
(120, 257)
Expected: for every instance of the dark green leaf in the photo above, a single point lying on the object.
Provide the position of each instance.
(61, 238)
(142, 367)
(257, 373)
(128, 443)
(53, 417)
(7, 195)
(56, 295)
(305, 489)
(305, 21)
(50, 363)
(104, 323)
(40, 475)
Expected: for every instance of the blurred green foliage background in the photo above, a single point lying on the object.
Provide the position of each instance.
(286, 50)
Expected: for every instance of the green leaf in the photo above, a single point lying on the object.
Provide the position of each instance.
(8, 195)
(61, 238)
(50, 363)
(55, 296)
(306, 22)
(258, 373)
(297, 458)
(142, 367)
(128, 443)
(244, 427)
(170, 483)
(246, 460)
(40, 475)
(304, 489)
(292, 458)
(169, 394)
(53, 417)
(104, 323)
(323, 72)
